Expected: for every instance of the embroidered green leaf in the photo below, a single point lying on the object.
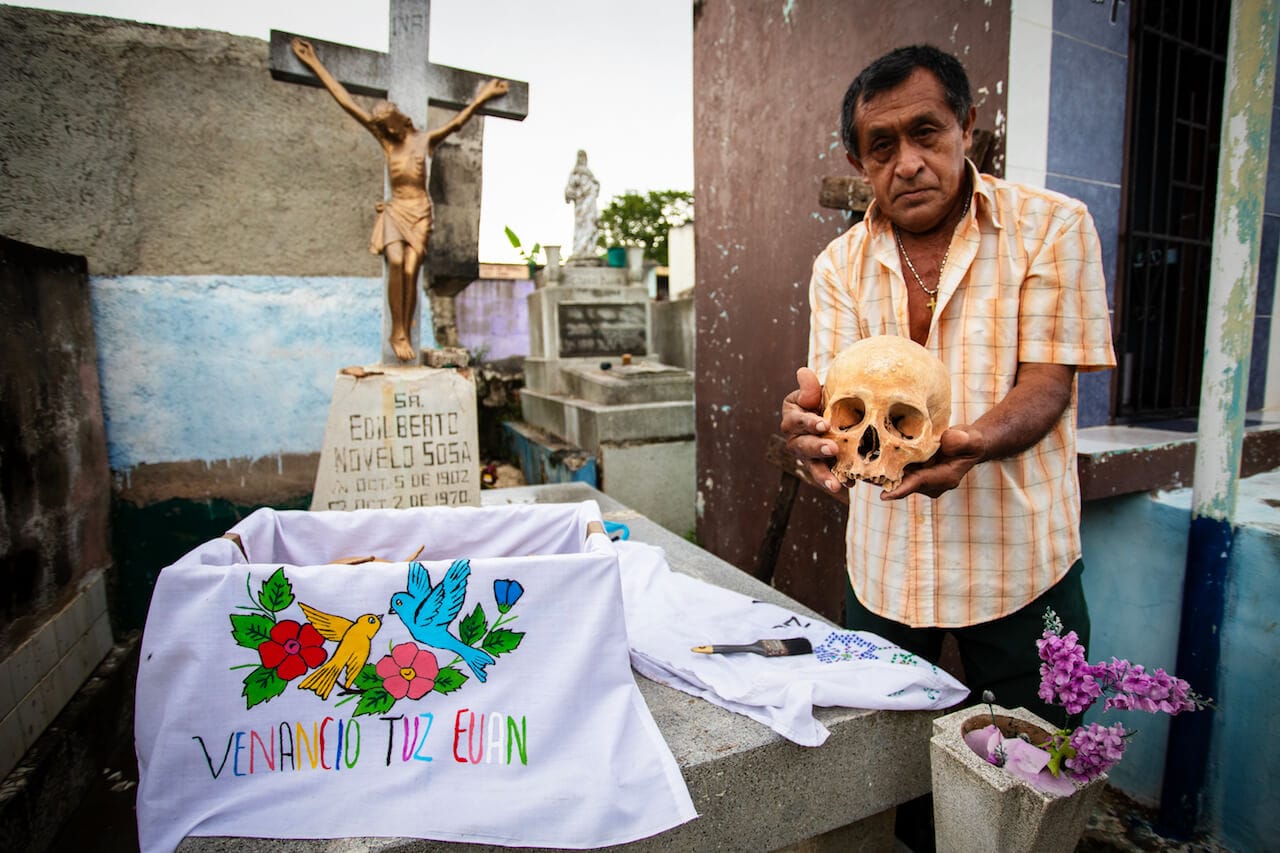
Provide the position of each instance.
(262, 684)
(277, 592)
(368, 678)
(375, 700)
(500, 641)
(449, 680)
(251, 629)
(473, 627)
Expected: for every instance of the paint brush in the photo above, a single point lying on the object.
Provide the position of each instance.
(768, 648)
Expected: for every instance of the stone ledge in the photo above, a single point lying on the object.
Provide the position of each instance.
(49, 782)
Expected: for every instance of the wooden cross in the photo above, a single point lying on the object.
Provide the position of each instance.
(407, 76)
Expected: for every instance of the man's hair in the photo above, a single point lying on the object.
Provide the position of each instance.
(892, 69)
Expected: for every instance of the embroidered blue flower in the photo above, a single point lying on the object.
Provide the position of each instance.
(507, 593)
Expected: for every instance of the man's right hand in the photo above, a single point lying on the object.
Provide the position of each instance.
(803, 427)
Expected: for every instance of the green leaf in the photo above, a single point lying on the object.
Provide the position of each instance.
(375, 700)
(511, 235)
(251, 629)
(368, 678)
(473, 627)
(261, 685)
(277, 592)
(449, 680)
(500, 641)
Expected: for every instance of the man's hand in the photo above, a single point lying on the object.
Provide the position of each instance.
(961, 448)
(1037, 400)
(803, 428)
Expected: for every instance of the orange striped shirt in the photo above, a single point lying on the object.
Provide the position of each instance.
(1023, 283)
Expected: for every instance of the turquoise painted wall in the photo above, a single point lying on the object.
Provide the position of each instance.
(225, 367)
(1135, 553)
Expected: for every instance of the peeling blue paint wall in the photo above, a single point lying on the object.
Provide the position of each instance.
(219, 367)
(1135, 552)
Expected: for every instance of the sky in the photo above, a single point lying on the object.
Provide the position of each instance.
(612, 77)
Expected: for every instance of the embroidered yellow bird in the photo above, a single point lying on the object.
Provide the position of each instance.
(353, 639)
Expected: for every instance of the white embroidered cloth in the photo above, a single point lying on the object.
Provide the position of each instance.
(668, 613)
(482, 694)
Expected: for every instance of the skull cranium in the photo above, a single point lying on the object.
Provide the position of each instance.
(887, 401)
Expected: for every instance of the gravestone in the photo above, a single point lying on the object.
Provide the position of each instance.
(400, 436)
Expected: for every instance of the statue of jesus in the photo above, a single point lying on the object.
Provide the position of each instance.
(404, 221)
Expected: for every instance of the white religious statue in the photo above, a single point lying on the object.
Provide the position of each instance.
(583, 189)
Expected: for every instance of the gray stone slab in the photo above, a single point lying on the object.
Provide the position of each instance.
(642, 382)
(587, 424)
(400, 437)
(659, 479)
(754, 790)
(545, 314)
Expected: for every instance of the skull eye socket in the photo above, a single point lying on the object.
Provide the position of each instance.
(907, 421)
(847, 413)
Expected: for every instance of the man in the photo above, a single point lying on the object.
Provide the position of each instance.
(1004, 284)
(404, 221)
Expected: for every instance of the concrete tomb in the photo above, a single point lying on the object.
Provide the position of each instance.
(590, 381)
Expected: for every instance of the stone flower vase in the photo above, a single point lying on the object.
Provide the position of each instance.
(979, 807)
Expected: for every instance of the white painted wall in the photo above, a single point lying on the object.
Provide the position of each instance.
(1027, 125)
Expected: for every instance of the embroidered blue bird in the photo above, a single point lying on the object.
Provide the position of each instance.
(427, 611)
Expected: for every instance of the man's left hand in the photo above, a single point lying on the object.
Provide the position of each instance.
(961, 448)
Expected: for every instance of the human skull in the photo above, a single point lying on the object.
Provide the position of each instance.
(887, 401)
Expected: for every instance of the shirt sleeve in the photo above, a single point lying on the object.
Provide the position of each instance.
(833, 316)
(1063, 317)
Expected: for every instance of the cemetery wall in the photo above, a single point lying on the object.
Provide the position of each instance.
(1135, 550)
(225, 220)
(163, 151)
(768, 82)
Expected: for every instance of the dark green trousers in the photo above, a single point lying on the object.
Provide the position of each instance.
(999, 656)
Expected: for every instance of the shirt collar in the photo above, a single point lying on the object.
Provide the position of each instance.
(982, 190)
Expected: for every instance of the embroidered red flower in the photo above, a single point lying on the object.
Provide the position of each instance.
(292, 649)
(408, 671)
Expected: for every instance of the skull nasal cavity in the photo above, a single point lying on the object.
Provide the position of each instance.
(869, 446)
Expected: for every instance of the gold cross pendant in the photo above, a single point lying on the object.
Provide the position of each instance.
(933, 302)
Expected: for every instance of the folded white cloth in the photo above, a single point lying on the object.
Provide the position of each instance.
(669, 613)
(481, 695)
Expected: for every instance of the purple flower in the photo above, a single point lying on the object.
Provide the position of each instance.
(1137, 690)
(1065, 676)
(1098, 748)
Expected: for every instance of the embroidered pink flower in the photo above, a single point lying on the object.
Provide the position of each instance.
(408, 671)
(292, 649)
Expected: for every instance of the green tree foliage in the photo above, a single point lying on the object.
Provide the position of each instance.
(632, 219)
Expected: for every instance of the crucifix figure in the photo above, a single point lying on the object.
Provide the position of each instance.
(411, 80)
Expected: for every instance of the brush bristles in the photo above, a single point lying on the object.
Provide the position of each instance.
(783, 648)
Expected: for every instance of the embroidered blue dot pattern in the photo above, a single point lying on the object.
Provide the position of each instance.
(846, 646)
(841, 647)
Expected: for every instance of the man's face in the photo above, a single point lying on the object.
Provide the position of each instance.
(912, 151)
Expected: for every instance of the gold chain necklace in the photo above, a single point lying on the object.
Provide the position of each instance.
(933, 294)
